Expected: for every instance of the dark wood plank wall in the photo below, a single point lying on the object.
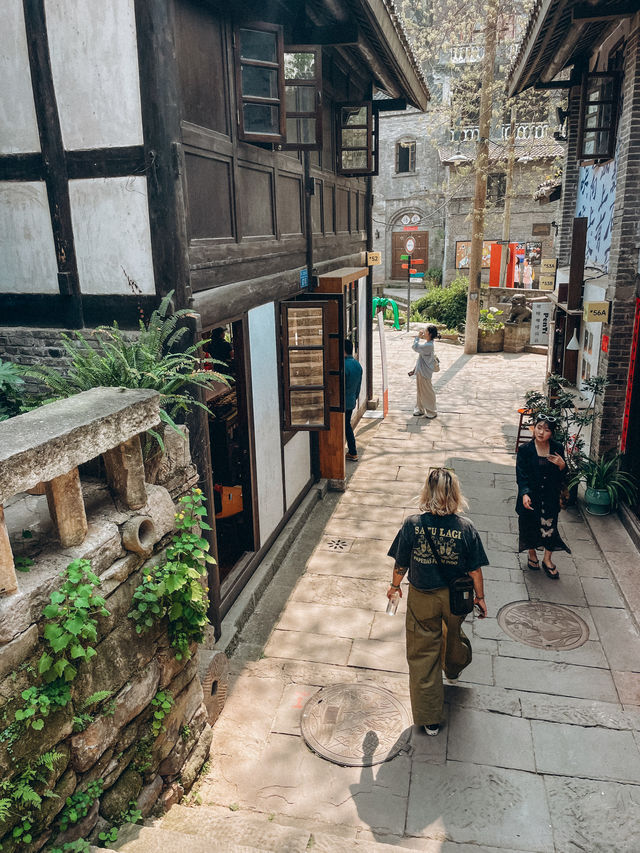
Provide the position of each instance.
(245, 203)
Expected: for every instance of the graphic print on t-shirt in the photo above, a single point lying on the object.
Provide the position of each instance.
(447, 541)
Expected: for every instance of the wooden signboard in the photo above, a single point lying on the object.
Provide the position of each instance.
(374, 259)
(547, 279)
(596, 312)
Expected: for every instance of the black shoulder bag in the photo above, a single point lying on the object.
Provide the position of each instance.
(460, 588)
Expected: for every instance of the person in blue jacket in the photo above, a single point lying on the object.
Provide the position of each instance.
(352, 383)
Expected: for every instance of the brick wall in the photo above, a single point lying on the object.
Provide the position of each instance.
(625, 244)
(570, 177)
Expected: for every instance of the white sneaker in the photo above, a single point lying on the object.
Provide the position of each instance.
(418, 413)
(432, 731)
(451, 680)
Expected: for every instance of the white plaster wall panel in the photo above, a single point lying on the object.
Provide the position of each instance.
(111, 228)
(94, 63)
(27, 251)
(297, 465)
(266, 415)
(18, 124)
(364, 321)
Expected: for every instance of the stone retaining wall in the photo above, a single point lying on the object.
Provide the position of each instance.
(111, 741)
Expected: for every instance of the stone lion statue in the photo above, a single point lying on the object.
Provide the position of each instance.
(520, 313)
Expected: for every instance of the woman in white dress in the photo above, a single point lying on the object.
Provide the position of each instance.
(425, 396)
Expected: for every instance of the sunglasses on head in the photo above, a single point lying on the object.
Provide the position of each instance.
(549, 419)
(441, 468)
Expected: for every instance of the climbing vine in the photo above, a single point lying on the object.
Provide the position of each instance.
(175, 589)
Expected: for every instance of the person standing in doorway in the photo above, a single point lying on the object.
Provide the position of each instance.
(527, 274)
(352, 383)
(425, 395)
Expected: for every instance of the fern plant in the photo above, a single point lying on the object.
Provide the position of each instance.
(11, 390)
(156, 359)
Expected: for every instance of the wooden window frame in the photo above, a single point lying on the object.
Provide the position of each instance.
(612, 127)
(371, 148)
(316, 85)
(278, 66)
(287, 422)
(496, 180)
(411, 145)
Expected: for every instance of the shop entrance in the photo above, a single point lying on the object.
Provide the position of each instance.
(230, 453)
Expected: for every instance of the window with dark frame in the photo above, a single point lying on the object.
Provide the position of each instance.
(598, 116)
(496, 189)
(351, 314)
(303, 85)
(260, 82)
(304, 362)
(405, 156)
(356, 139)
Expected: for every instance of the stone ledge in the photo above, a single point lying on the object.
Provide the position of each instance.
(54, 439)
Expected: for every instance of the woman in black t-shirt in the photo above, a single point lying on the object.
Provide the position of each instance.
(435, 640)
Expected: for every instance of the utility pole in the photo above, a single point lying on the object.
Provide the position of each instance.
(480, 197)
(506, 222)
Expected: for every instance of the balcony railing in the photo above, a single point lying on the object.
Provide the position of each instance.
(527, 130)
(465, 134)
(462, 54)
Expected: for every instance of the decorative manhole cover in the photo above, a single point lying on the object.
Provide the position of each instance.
(543, 625)
(333, 543)
(355, 725)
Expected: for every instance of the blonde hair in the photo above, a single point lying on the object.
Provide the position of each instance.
(441, 494)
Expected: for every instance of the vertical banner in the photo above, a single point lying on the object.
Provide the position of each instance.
(540, 323)
(383, 364)
(632, 366)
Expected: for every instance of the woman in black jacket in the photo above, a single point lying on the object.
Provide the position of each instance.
(539, 471)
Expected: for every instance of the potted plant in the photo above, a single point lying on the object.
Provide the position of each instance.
(491, 330)
(606, 483)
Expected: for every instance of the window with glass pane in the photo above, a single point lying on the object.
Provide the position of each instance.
(303, 81)
(304, 365)
(355, 139)
(260, 82)
(406, 157)
(598, 116)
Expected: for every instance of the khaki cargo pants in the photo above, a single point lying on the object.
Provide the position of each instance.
(435, 644)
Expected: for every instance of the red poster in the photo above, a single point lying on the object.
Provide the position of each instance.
(632, 364)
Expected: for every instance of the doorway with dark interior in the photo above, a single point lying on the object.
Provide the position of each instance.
(229, 437)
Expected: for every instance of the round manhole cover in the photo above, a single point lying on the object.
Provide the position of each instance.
(543, 625)
(355, 725)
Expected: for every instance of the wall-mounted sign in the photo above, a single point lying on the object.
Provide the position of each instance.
(410, 244)
(374, 259)
(534, 252)
(605, 343)
(548, 266)
(547, 282)
(540, 323)
(541, 229)
(596, 312)
(463, 254)
(304, 278)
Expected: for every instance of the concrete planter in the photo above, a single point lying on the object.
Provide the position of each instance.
(491, 341)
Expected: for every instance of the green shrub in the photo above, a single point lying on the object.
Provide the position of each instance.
(435, 274)
(11, 390)
(446, 305)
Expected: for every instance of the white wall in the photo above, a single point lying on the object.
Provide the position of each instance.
(111, 228)
(18, 125)
(94, 63)
(27, 252)
(266, 415)
(364, 317)
(297, 465)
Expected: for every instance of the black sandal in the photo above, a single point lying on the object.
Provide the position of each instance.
(548, 570)
(533, 566)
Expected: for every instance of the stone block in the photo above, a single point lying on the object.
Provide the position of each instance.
(117, 798)
(196, 759)
(148, 796)
(54, 439)
(80, 829)
(124, 468)
(184, 707)
(12, 654)
(87, 746)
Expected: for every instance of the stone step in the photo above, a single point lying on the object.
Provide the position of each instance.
(156, 839)
(213, 829)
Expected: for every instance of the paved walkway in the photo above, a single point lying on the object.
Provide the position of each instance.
(540, 749)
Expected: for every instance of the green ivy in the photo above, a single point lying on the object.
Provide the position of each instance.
(40, 701)
(79, 846)
(162, 702)
(78, 805)
(72, 624)
(175, 588)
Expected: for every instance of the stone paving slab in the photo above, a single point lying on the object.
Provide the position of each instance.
(619, 638)
(390, 628)
(333, 590)
(294, 698)
(598, 817)
(578, 712)
(306, 646)
(590, 654)
(591, 753)
(336, 563)
(600, 592)
(494, 740)
(451, 803)
(361, 528)
(373, 513)
(628, 687)
(555, 678)
(330, 619)
(567, 590)
(376, 654)
(479, 671)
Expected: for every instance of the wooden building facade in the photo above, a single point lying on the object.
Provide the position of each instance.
(222, 151)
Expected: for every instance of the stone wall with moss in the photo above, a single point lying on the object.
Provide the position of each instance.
(128, 733)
